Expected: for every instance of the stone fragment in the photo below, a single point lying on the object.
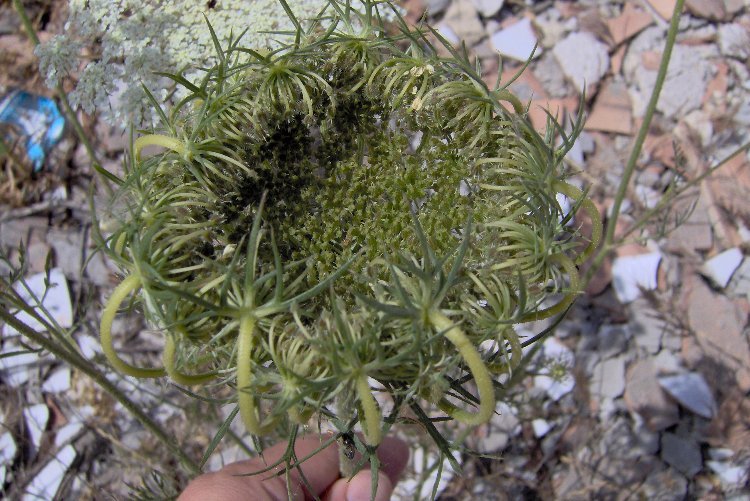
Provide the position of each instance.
(67, 433)
(46, 483)
(608, 379)
(7, 449)
(718, 325)
(68, 247)
(666, 484)
(551, 77)
(53, 291)
(583, 59)
(516, 41)
(435, 7)
(720, 268)
(692, 392)
(731, 476)
(682, 453)
(631, 274)
(36, 417)
(612, 111)
(488, 8)
(740, 284)
(16, 368)
(58, 381)
(628, 24)
(663, 7)
(644, 396)
(714, 10)
(694, 234)
(447, 32)
(463, 19)
(541, 427)
(647, 326)
(612, 339)
(667, 362)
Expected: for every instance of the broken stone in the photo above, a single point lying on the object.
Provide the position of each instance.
(516, 41)
(682, 453)
(541, 427)
(720, 268)
(647, 326)
(7, 449)
(58, 381)
(583, 59)
(694, 234)
(488, 8)
(692, 392)
(667, 485)
(718, 325)
(36, 417)
(707, 9)
(435, 7)
(550, 75)
(462, 18)
(612, 340)
(740, 283)
(608, 380)
(731, 476)
(644, 396)
(664, 8)
(67, 433)
(631, 274)
(17, 369)
(701, 126)
(612, 111)
(53, 291)
(628, 24)
(46, 483)
(68, 248)
(667, 362)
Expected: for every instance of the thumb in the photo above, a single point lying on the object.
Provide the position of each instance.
(359, 488)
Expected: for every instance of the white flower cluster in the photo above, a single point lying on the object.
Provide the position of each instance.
(113, 47)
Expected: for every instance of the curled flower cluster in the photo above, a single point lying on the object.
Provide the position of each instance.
(346, 208)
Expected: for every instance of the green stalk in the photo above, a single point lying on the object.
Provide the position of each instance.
(476, 366)
(661, 76)
(74, 359)
(371, 418)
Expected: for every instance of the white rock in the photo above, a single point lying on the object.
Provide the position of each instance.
(608, 380)
(692, 392)
(435, 7)
(422, 460)
(720, 454)
(734, 40)
(488, 8)
(630, 274)
(730, 476)
(720, 268)
(541, 427)
(36, 417)
(583, 59)
(516, 41)
(2, 475)
(67, 432)
(16, 369)
(554, 351)
(89, 346)
(56, 300)
(448, 33)
(7, 449)
(46, 482)
(58, 381)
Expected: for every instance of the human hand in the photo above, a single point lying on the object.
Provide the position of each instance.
(232, 483)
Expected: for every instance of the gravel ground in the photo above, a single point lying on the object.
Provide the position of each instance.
(653, 402)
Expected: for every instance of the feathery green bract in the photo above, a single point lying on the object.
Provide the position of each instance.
(349, 206)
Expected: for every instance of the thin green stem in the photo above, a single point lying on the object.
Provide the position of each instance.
(371, 415)
(661, 76)
(121, 292)
(245, 397)
(76, 360)
(476, 366)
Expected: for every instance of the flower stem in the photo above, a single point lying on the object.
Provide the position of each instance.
(130, 284)
(371, 419)
(245, 398)
(476, 366)
(168, 358)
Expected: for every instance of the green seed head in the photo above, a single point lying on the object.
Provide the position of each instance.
(348, 206)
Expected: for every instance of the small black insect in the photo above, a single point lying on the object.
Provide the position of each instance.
(347, 442)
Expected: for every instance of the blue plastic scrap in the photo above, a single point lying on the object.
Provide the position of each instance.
(37, 119)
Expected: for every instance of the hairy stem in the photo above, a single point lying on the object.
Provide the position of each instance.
(574, 289)
(158, 140)
(371, 415)
(245, 397)
(476, 366)
(121, 292)
(168, 359)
